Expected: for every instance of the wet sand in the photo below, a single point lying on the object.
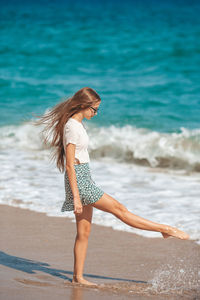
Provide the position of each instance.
(37, 261)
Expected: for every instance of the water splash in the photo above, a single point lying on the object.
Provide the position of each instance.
(180, 278)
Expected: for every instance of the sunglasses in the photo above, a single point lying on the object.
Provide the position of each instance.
(95, 110)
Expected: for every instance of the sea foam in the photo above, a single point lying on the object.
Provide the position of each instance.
(128, 144)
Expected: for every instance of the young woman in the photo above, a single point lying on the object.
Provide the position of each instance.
(70, 140)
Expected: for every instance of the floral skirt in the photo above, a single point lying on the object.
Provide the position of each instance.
(88, 190)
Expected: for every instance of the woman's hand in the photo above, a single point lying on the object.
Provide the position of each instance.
(78, 207)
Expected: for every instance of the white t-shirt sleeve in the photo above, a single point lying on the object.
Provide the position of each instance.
(71, 133)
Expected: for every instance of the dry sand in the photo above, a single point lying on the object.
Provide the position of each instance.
(37, 261)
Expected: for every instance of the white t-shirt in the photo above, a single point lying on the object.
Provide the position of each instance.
(75, 133)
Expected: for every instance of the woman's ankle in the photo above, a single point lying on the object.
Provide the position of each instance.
(165, 228)
(77, 276)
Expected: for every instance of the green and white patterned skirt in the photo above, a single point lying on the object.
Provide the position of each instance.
(88, 190)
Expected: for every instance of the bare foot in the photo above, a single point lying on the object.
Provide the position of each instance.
(175, 232)
(165, 235)
(81, 280)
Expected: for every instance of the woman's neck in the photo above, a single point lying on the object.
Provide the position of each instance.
(77, 118)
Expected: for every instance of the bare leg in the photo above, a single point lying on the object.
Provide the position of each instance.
(83, 224)
(111, 205)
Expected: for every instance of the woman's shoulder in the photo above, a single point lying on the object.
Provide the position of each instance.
(72, 123)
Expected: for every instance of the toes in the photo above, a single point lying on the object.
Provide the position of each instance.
(84, 282)
(175, 232)
(181, 234)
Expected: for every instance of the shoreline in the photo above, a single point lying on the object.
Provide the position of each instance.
(37, 259)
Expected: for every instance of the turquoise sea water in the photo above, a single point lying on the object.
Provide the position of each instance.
(143, 58)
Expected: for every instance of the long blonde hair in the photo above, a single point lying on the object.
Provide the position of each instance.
(55, 119)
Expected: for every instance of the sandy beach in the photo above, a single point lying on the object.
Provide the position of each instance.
(37, 261)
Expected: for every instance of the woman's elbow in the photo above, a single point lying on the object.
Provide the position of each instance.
(69, 166)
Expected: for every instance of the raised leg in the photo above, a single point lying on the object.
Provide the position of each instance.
(83, 225)
(111, 205)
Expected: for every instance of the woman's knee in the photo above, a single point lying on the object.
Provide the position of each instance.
(111, 205)
(83, 223)
(84, 233)
(119, 209)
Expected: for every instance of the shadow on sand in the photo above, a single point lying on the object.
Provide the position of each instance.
(30, 266)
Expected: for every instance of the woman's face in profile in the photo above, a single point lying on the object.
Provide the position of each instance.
(91, 111)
